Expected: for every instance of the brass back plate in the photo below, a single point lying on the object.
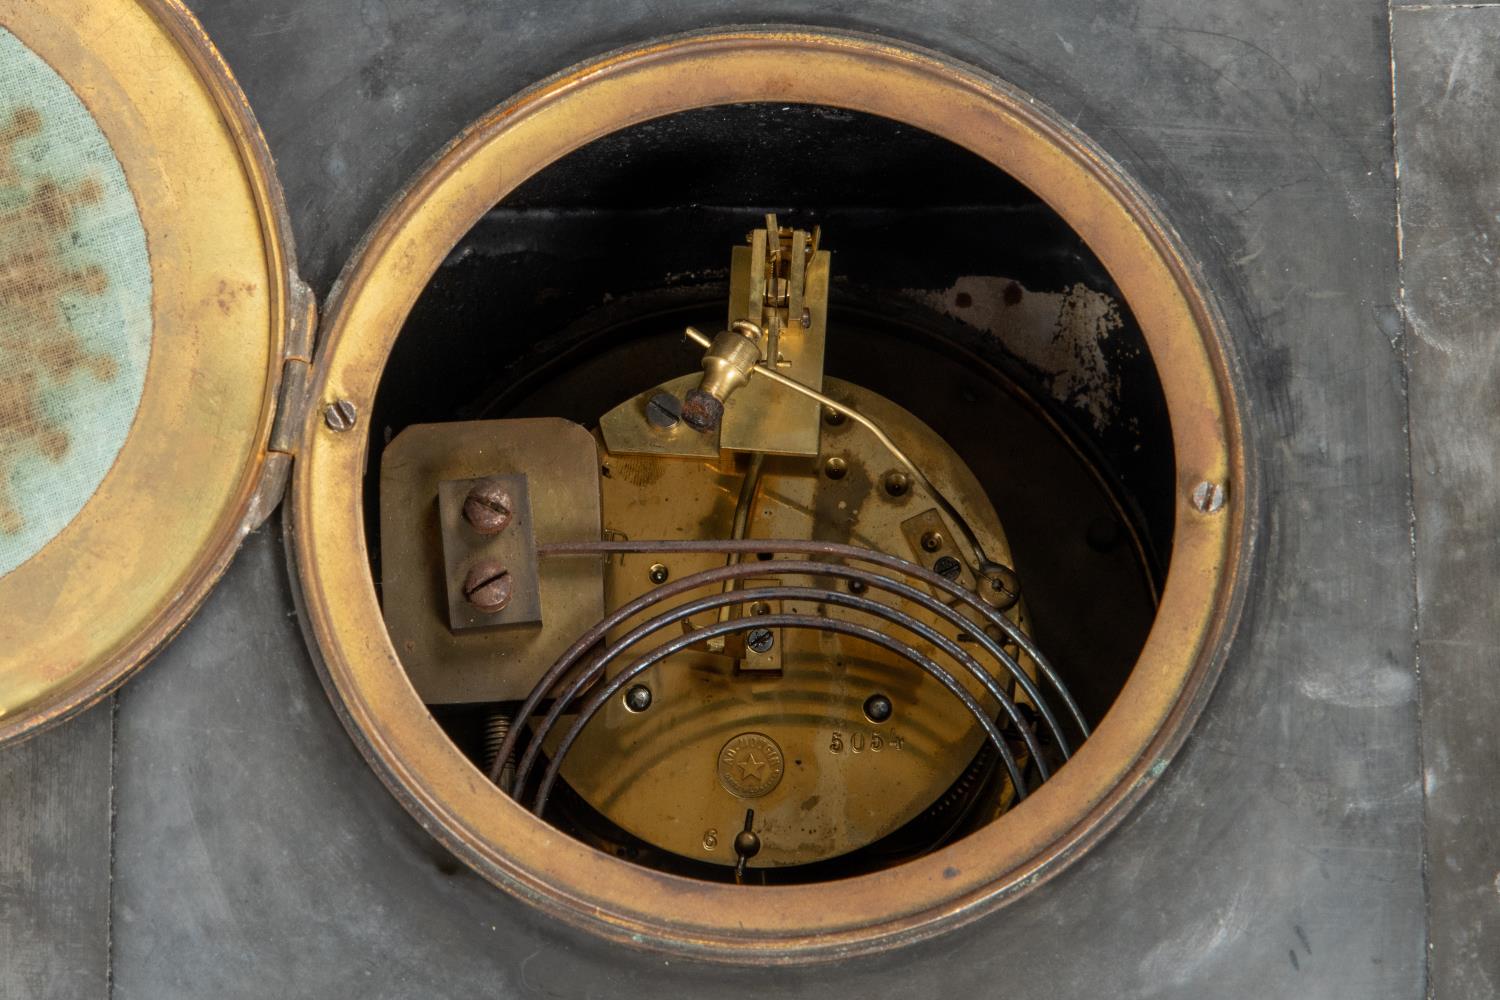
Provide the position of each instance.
(560, 463)
(846, 781)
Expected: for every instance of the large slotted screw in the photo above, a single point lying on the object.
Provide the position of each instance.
(663, 410)
(488, 507)
(489, 587)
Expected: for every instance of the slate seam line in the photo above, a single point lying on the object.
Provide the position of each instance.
(1411, 498)
(109, 892)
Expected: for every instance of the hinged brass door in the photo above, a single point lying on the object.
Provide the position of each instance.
(151, 326)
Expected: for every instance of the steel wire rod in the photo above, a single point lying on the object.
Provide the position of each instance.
(982, 565)
(843, 551)
(612, 687)
(683, 611)
(791, 567)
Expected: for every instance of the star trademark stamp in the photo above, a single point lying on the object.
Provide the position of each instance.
(750, 765)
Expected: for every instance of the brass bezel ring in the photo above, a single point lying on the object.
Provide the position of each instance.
(959, 883)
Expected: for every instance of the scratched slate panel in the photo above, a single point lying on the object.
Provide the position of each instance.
(54, 862)
(1447, 113)
(1279, 856)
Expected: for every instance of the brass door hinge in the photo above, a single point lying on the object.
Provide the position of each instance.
(291, 403)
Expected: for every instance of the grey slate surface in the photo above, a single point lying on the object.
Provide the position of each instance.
(1448, 114)
(54, 861)
(256, 854)
(1280, 856)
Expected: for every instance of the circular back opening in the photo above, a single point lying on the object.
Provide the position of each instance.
(1000, 299)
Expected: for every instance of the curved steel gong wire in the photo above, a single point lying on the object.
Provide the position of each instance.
(792, 567)
(840, 550)
(597, 666)
(682, 611)
(609, 689)
(718, 575)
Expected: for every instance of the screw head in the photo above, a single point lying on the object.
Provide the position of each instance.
(932, 541)
(835, 468)
(832, 417)
(761, 640)
(1209, 498)
(663, 410)
(897, 484)
(948, 568)
(488, 507)
(658, 573)
(878, 708)
(1001, 588)
(489, 587)
(339, 415)
(638, 698)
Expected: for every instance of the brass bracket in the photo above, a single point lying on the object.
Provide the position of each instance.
(779, 283)
(931, 542)
(427, 549)
(514, 548)
(627, 430)
(753, 660)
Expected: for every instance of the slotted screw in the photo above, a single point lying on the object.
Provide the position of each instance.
(489, 587)
(488, 507)
(663, 410)
(1209, 498)
(339, 415)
